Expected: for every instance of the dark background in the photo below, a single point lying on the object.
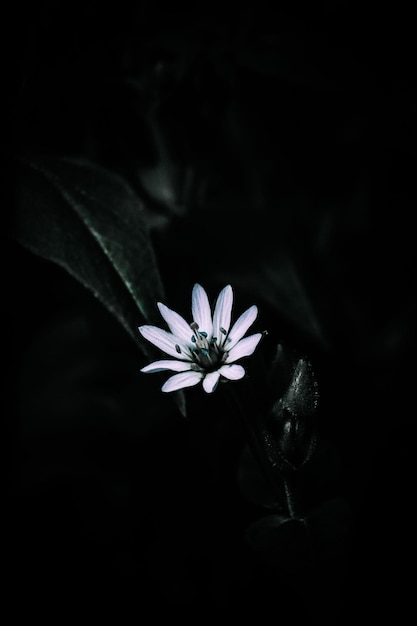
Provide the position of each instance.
(273, 149)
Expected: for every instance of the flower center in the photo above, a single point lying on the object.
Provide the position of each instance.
(207, 354)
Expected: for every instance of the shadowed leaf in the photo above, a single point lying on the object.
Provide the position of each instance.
(88, 221)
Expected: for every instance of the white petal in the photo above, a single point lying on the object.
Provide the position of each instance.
(241, 325)
(161, 366)
(222, 314)
(232, 372)
(177, 324)
(244, 347)
(200, 308)
(185, 379)
(166, 341)
(210, 382)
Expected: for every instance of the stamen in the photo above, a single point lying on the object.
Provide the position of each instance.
(222, 330)
(194, 326)
(177, 348)
(205, 352)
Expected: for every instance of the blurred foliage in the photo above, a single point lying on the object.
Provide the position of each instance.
(269, 147)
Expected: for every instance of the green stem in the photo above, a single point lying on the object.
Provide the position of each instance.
(290, 497)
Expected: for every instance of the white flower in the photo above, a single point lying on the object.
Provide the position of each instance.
(206, 349)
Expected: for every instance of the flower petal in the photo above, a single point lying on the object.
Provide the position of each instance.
(166, 341)
(161, 366)
(241, 325)
(184, 379)
(222, 314)
(244, 347)
(232, 372)
(200, 308)
(177, 324)
(210, 382)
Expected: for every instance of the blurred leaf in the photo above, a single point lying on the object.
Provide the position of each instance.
(288, 545)
(252, 482)
(281, 370)
(323, 470)
(330, 527)
(71, 380)
(88, 221)
(283, 542)
(277, 282)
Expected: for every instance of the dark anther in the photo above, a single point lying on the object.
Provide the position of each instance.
(222, 330)
(177, 348)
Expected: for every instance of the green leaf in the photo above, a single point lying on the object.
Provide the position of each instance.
(89, 221)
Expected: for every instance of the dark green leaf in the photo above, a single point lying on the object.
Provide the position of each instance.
(89, 221)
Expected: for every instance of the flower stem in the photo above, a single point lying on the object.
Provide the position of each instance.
(290, 497)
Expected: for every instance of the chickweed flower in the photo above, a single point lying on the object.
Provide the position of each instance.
(207, 349)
